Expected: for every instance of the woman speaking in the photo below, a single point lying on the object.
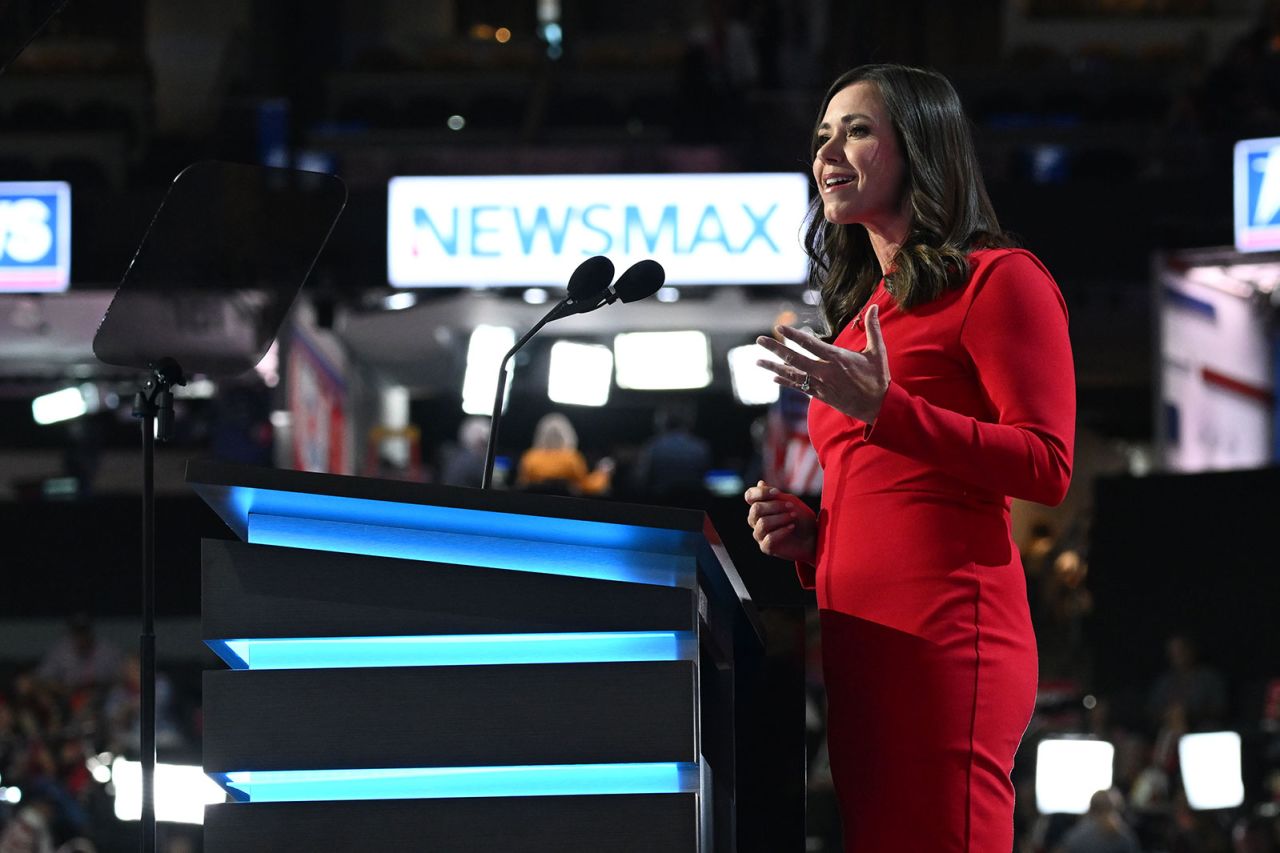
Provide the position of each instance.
(946, 389)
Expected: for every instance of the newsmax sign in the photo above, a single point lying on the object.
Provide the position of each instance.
(535, 229)
(35, 236)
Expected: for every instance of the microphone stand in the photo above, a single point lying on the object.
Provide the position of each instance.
(494, 419)
(154, 405)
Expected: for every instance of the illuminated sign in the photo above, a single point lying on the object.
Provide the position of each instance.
(534, 229)
(1257, 194)
(35, 236)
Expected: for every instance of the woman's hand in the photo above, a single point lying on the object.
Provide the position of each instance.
(850, 382)
(782, 524)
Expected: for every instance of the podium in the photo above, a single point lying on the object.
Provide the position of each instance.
(418, 667)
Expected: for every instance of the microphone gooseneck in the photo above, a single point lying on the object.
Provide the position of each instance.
(588, 290)
(587, 282)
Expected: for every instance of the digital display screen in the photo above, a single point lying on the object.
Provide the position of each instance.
(524, 230)
(35, 236)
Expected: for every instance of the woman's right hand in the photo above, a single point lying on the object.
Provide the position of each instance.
(782, 524)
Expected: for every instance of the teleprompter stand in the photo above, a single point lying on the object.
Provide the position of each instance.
(206, 292)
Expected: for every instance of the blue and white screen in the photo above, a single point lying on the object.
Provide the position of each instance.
(35, 236)
(535, 229)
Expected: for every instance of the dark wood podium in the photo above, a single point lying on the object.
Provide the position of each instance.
(420, 667)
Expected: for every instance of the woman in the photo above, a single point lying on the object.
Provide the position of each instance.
(947, 389)
(555, 464)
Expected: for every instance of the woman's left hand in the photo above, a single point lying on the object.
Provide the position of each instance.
(850, 382)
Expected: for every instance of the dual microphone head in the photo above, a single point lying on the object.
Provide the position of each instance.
(589, 286)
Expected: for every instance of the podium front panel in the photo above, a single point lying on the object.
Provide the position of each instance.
(450, 716)
(418, 667)
(656, 823)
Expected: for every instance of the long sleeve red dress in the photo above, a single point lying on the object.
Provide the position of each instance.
(928, 654)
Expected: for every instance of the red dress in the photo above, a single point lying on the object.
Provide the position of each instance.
(928, 653)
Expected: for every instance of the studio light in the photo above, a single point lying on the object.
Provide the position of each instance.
(662, 361)
(64, 405)
(181, 791)
(1069, 771)
(1210, 763)
(400, 300)
(752, 384)
(580, 374)
(485, 350)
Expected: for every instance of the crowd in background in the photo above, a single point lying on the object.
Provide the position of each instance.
(63, 721)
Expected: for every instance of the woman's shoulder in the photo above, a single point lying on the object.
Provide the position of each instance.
(1011, 274)
(1004, 259)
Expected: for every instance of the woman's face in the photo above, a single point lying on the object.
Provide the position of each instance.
(859, 166)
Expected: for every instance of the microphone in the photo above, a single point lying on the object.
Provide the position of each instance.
(641, 280)
(586, 284)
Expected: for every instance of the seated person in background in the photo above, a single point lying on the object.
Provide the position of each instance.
(464, 464)
(554, 464)
(79, 659)
(675, 460)
(1102, 829)
(1197, 690)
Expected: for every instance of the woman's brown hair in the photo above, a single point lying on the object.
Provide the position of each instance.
(950, 212)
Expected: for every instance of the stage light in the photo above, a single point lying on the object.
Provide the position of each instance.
(668, 294)
(1210, 764)
(11, 795)
(63, 405)
(662, 361)
(556, 780)
(502, 35)
(1069, 771)
(98, 769)
(752, 384)
(811, 297)
(196, 389)
(485, 350)
(580, 374)
(181, 791)
(535, 296)
(455, 122)
(400, 300)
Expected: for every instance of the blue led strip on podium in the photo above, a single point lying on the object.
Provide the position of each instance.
(274, 786)
(456, 650)
(471, 549)
(262, 501)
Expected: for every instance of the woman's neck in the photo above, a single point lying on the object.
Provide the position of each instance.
(886, 238)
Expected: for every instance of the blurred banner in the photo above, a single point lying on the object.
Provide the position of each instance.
(318, 406)
(1217, 361)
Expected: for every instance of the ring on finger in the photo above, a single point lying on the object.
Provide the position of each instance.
(804, 386)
